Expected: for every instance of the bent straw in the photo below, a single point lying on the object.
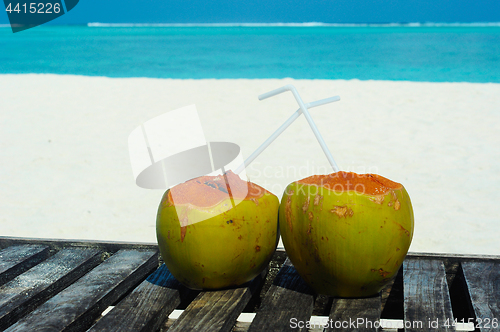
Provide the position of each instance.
(303, 109)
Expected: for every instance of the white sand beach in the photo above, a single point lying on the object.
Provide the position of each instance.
(65, 169)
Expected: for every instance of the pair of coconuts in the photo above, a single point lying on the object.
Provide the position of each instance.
(347, 234)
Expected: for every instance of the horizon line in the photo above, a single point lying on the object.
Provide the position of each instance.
(282, 24)
(296, 24)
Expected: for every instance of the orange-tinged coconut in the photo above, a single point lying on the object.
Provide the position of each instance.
(217, 231)
(347, 234)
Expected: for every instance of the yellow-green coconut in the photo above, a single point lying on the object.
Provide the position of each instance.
(347, 234)
(213, 235)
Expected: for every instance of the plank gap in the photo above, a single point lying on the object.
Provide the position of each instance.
(394, 308)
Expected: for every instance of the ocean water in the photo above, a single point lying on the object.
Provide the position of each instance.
(436, 53)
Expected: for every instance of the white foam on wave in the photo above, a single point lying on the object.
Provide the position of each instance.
(304, 24)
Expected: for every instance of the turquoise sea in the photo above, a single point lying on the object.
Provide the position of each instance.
(436, 53)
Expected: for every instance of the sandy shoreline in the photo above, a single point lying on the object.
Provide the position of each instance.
(65, 170)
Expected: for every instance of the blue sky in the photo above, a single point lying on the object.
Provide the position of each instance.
(268, 11)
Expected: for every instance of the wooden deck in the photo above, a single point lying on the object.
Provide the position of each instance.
(54, 285)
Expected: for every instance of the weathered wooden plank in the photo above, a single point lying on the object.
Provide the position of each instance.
(15, 260)
(23, 293)
(216, 310)
(483, 282)
(58, 244)
(441, 256)
(427, 305)
(288, 299)
(148, 306)
(6, 241)
(76, 307)
(355, 314)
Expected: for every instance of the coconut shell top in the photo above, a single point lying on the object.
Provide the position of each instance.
(369, 184)
(208, 191)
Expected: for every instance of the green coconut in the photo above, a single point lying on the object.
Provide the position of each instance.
(213, 235)
(346, 234)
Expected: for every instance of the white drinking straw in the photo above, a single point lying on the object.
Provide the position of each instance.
(303, 109)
